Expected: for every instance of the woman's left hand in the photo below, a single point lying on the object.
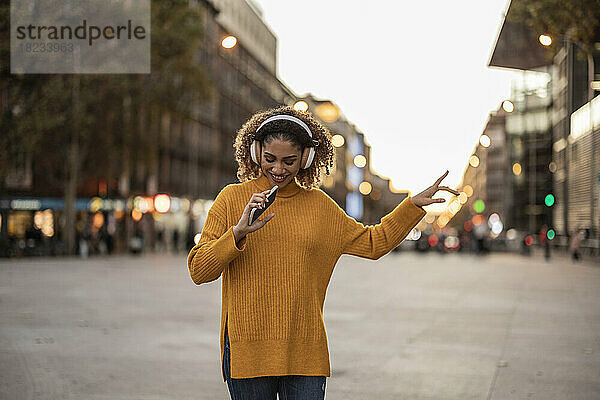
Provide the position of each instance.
(425, 197)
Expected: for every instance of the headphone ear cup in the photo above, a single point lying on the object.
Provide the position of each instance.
(307, 157)
(304, 158)
(255, 152)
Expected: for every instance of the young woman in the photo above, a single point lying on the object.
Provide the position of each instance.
(276, 270)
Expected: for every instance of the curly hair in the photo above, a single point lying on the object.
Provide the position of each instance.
(324, 153)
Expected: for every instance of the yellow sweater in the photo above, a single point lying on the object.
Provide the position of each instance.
(274, 283)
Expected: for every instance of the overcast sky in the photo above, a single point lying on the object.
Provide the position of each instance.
(412, 76)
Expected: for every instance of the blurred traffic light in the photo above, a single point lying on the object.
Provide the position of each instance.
(549, 200)
(550, 234)
(468, 225)
(433, 240)
(479, 206)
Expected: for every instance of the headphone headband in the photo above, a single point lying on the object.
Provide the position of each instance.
(308, 153)
(289, 118)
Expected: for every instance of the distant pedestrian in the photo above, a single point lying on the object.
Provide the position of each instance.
(575, 245)
(479, 232)
(160, 238)
(275, 278)
(544, 242)
(175, 241)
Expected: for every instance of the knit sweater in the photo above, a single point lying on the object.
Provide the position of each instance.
(275, 279)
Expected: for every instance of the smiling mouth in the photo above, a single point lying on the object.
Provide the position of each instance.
(278, 178)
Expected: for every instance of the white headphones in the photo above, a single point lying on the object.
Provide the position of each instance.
(308, 154)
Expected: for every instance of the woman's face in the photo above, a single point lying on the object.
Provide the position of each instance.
(280, 161)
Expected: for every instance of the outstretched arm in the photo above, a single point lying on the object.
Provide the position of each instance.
(375, 241)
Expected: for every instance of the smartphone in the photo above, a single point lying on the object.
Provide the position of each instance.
(257, 212)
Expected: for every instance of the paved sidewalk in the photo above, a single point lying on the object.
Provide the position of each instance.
(407, 326)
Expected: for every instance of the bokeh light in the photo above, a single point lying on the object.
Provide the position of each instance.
(301, 105)
(328, 112)
(495, 224)
(360, 161)
(185, 205)
(229, 42)
(508, 106)
(433, 240)
(98, 220)
(474, 161)
(493, 218)
(516, 169)
(452, 242)
(415, 234)
(511, 234)
(485, 140)
(497, 228)
(454, 206)
(338, 140)
(162, 203)
(468, 225)
(136, 214)
(478, 219)
(545, 40)
(529, 240)
(44, 221)
(479, 206)
(468, 189)
(365, 188)
(549, 200)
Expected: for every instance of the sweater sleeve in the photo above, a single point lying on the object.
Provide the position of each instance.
(216, 247)
(375, 241)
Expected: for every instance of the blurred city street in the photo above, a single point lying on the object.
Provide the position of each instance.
(117, 158)
(429, 326)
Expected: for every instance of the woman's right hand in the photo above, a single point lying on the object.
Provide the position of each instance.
(242, 228)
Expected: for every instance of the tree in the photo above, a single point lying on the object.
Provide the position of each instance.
(579, 20)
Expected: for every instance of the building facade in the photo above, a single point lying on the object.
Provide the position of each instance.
(574, 161)
(189, 156)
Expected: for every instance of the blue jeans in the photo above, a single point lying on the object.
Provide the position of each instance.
(289, 387)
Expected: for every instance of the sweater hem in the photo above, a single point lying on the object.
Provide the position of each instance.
(251, 359)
